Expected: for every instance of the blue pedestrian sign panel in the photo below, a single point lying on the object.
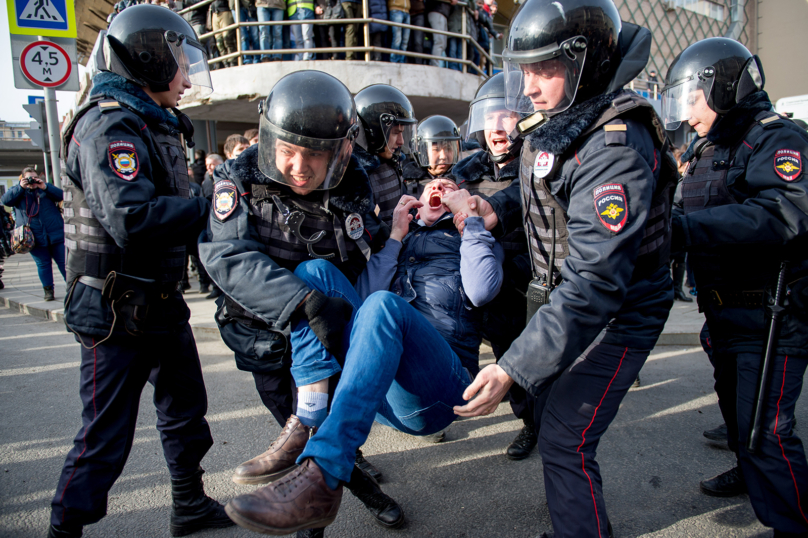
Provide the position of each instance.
(52, 18)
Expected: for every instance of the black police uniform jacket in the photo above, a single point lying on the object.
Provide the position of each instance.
(127, 205)
(504, 317)
(416, 178)
(251, 255)
(385, 181)
(740, 209)
(612, 218)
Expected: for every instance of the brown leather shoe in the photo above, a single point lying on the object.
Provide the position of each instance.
(279, 458)
(300, 500)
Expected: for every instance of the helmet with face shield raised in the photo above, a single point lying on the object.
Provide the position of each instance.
(388, 118)
(437, 143)
(307, 130)
(569, 46)
(488, 112)
(718, 72)
(148, 44)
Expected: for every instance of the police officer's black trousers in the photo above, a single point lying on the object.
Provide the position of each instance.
(582, 403)
(112, 378)
(777, 474)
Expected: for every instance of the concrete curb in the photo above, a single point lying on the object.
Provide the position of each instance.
(32, 310)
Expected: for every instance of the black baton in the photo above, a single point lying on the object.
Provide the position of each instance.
(774, 312)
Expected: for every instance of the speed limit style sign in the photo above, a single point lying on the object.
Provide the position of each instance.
(44, 63)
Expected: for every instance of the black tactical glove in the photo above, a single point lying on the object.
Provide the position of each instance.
(328, 317)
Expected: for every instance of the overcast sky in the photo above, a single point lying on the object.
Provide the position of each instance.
(12, 98)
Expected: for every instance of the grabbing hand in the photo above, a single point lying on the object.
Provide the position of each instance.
(463, 205)
(490, 386)
(327, 317)
(402, 217)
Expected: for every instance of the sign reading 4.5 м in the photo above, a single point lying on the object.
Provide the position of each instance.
(51, 18)
(45, 63)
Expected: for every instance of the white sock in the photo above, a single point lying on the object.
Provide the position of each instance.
(312, 408)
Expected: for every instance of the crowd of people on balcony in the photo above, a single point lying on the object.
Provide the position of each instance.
(441, 15)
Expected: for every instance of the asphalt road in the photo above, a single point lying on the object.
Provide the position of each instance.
(652, 457)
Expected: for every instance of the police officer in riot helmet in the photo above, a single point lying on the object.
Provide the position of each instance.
(485, 173)
(740, 213)
(435, 151)
(128, 214)
(595, 190)
(388, 121)
(297, 195)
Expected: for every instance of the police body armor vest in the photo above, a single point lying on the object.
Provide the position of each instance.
(91, 251)
(385, 182)
(514, 243)
(539, 204)
(285, 248)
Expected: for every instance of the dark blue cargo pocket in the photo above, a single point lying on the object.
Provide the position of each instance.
(257, 350)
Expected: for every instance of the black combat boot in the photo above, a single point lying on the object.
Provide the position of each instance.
(717, 434)
(366, 466)
(384, 509)
(192, 510)
(678, 280)
(311, 533)
(64, 531)
(524, 443)
(728, 484)
(49, 293)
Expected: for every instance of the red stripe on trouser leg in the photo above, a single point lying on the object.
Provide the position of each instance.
(583, 438)
(95, 414)
(780, 442)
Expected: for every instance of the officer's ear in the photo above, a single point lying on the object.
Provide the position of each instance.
(751, 78)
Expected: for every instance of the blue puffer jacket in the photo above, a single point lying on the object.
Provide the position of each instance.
(48, 225)
(377, 9)
(428, 276)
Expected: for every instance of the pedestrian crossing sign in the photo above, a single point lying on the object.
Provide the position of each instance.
(51, 18)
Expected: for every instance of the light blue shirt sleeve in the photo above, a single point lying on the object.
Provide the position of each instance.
(481, 260)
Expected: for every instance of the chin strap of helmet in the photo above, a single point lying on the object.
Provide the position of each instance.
(186, 127)
(513, 149)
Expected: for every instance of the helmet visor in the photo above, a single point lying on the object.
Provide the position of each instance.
(398, 133)
(683, 99)
(305, 164)
(491, 115)
(544, 80)
(433, 152)
(192, 61)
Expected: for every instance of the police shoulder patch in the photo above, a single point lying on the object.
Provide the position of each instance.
(123, 159)
(611, 206)
(224, 199)
(788, 164)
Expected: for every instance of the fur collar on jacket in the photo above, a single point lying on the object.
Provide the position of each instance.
(352, 195)
(728, 128)
(478, 167)
(560, 131)
(133, 97)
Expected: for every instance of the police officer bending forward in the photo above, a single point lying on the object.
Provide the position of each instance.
(596, 187)
(296, 195)
(128, 214)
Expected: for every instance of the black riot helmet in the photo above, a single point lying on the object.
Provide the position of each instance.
(723, 69)
(382, 107)
(488, 112)
(307, 131)
(576, 39)
(437, 142)
(147, 44)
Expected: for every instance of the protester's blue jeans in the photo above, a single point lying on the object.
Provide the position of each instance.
(455, 52)
(271, 39)
(398, 370)
(44, 256)
(249, 36)
(401, 36)
(303, 33)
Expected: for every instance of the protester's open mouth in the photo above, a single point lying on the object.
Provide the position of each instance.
(435, 200)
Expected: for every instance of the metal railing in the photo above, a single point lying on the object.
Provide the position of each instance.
(645, 85)
(366, 20)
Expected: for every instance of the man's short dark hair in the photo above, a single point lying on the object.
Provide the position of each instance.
(249, 134)
(232, 141)
(199, 155)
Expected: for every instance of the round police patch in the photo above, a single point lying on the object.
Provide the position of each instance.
(224, 199)
(544, 164)
(354, 226)
(788, 164)
(611, 206)
(123, 160)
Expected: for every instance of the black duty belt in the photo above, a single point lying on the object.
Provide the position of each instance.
(730, 298)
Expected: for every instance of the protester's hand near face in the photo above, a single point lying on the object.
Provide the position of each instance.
(402, 217)
(463, 204)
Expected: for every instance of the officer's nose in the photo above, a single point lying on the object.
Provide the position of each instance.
(298, 163)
